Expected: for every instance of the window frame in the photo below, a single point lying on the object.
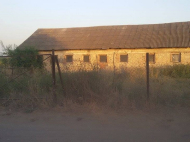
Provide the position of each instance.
(179, 56)
(88, 58)
(105, 56)
(123, 55)
(66, 58)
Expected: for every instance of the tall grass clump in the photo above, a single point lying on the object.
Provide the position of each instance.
(104, 88)
(175, 71)
(170, 85)
(28, 90)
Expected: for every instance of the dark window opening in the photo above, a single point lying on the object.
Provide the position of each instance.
(69, 58)
(103, 58)
(176, 57)
(123, 58)
(86, 58)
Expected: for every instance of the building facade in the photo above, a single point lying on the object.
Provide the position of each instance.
(115, 47)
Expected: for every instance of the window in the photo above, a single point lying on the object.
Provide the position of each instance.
(69, 58)
(86, 58)
(176, 57)
(103, 58)
(152, 58)
(123, 58)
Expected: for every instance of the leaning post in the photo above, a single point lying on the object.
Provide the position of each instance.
(59, 70)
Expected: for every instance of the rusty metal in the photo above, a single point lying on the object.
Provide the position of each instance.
(147, 76)
(53, 76)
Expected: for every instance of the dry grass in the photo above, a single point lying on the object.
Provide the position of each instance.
(95, 90)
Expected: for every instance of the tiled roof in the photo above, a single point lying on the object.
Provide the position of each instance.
(112, 37)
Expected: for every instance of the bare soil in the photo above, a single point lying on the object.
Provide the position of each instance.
(166, 125)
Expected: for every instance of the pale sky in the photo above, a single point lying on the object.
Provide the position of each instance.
(20, 18)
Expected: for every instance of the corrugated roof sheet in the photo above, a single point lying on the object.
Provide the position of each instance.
(112, 37)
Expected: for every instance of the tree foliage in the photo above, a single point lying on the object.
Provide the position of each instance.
(27, 58)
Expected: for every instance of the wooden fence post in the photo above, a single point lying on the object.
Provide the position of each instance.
(53, 76)
(147, 75)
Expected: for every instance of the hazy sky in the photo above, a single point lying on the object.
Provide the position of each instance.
(20, 18)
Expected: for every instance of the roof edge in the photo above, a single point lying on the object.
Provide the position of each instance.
(113, 25)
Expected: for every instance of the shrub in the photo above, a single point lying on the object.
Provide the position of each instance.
(26, 58)
(176, 71)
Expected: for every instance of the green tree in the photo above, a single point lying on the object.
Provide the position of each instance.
(27, 58)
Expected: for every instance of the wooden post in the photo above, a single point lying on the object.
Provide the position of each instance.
(59, 70)
(53, 76)
(147, 75)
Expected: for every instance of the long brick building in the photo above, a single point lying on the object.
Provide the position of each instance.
(115, 46)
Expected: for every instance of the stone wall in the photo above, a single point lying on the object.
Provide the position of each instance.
(136, 58)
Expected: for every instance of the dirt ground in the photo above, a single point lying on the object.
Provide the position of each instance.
(167, 125)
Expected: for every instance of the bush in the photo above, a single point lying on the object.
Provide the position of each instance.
(176, 71)
(26, 58)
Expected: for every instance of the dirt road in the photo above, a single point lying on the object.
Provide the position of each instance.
(53, 126)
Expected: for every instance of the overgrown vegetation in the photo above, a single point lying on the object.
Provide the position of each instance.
(27, 58)
(175, 71)
(106, 89)
(120, 90)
